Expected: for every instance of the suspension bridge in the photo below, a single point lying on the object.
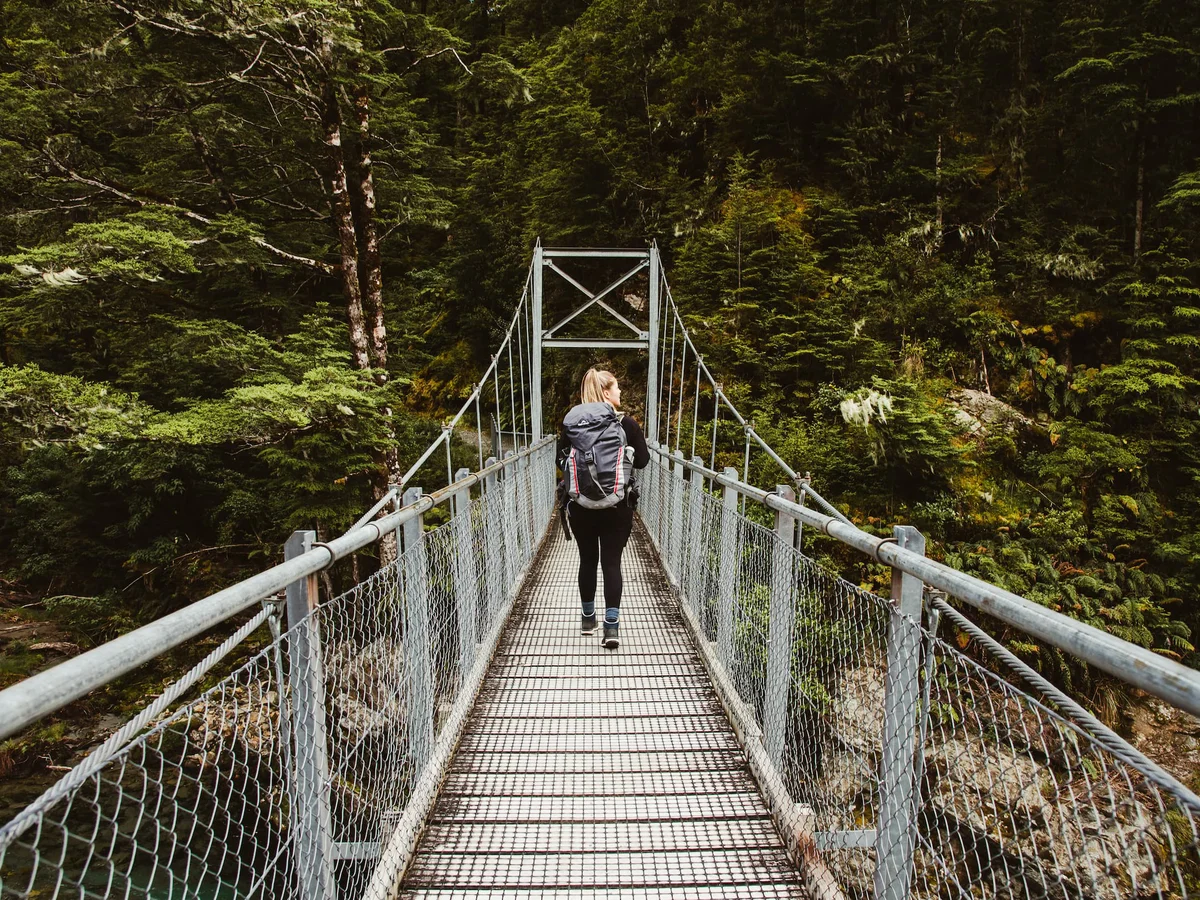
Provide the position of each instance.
(766, 729)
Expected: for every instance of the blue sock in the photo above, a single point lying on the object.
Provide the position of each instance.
(589, 609)
(612, 615)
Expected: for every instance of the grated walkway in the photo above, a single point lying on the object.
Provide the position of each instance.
(589, 773)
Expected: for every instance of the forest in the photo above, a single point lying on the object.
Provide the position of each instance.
(252, 251)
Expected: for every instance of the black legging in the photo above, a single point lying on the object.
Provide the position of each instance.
(601, 535)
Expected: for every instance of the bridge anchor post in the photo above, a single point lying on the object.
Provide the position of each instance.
(312, 823)
(895, 828)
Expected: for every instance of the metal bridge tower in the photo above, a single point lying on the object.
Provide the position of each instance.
(547, 258)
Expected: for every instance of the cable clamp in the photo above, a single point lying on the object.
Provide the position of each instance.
(882, 541)
(275, 604)
(332, 555)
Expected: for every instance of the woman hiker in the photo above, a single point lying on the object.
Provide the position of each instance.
(596, 447)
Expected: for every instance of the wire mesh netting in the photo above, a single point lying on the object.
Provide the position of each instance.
(287, 775)
(912, 768)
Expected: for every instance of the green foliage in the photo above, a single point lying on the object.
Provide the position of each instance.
(41, 408)
(140, 246)
(98, 619)
(914, 441)
(105, 492)
(909, 202)
(985, 213)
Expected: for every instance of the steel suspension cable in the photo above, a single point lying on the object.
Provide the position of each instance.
(712, 462)
(1096, 729)
(477, 392)
(521, 358)
(720, 397)
(529, 350)
(682, 388)
(512, 396)
(147, 717)
(670, 389)
(662, 356)
(696, 412)
(746, 470)
(479, 429)
(498, 431)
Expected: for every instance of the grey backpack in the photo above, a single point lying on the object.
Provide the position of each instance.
(598, 471)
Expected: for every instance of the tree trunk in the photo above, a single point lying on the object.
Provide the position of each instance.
(343, 222)
(738, 299)
(1017, 140)
(386, 463)
(369, 265)
(370, 268)
(937, 239)
(1140, 209)
(213, 168)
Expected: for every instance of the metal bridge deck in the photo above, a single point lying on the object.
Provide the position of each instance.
(590, 773)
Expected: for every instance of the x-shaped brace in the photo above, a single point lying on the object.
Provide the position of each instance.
(598, 298)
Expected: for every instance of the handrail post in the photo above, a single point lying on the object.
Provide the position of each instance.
(312, 823)
(549, 480)
(695, 524)
(516, 509)
(779, 635)
(895, 837)
(728, 562)
(654, 481)
(466, 583)
(493, 565)
(508, 524)
(521, 508)
(675, 521)
(525, 505)
(418, 638)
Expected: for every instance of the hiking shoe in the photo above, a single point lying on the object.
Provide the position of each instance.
(587, 624)
(610, 639)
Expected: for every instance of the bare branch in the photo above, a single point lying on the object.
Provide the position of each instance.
(240, 76)
(182, 211)
(420, 60)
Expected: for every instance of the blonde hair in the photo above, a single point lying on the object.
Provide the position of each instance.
(595, 383)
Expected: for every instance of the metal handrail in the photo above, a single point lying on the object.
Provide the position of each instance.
(39, 695)
(1142, 668)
